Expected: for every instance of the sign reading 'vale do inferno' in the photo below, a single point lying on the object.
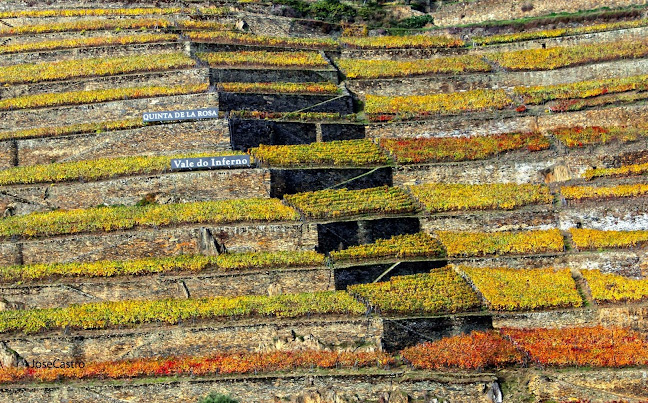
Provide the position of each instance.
(188, 114)
(229, 161)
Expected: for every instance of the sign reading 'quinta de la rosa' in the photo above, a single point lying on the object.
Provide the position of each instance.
(189, 114)
(229, 161)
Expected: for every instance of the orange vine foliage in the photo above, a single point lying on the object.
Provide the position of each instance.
(582, 346)
(474, 351)
(219, 364)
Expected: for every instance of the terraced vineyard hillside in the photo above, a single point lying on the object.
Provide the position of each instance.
(454, 211)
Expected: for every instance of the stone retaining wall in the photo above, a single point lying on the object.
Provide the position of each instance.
(445, 83)
(163, 139)
(92, 52)
(493, 10)
(104, 111)
(201, 338)
(300, 387)
(572, 40)
(505, 122)
(164, 241)
(211, 283)
(178, 187)
(260, 75)
(232, 101)
(188, 76)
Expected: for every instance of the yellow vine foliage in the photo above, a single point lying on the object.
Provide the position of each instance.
(469, 244)
(105, 268)
(94, 67)
(53, 131)
(249, 39)
(603, 192)
(439, 197)
(364, 69)
(192, 263)
(454, 102)
(86, 25)
(127, 217)
(262, 58)
(281, 88)
(555, 33)
(106, 314)
(87, 42)
(508, 289)
(267, 260)
(102, 12)
(626, 170)
(586, 238)
(338, 153)
(398, 246)
(440, 291)
(582, 89)
(95, 96)
(564, 56)
(334, 203)
(402, 42)
(610, 287)
(96, 169)
(578, 136)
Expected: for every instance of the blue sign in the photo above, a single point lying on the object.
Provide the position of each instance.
(228, 161)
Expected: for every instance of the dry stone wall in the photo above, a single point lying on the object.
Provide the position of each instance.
(164, 139)
(467, 12)
(105, 111)
(266, 75)
(505, 122)
(169, 241)
(166, 78)
(199, 339)
(64, 292)
(570, 40)
(391, 387)
(440, 83)
(179, 187)
(92, 52)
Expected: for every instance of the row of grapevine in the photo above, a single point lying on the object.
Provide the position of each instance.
(397, 247)
(507, 289)
(227, 262)
(592, 347)
(229, 37)
(577, 193)
(106, 12)
(440, 291)
(94, 67)
(280, 88)
(96, 169)
(566, 347)
(264, 59)
(80, 128)
(217, 364)
(128, 217)
(520, 60)
(71, 43)
(439, 197)
(101, 315)
(344, 153)
(347, 203)
(381, 107)
(95, 96)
